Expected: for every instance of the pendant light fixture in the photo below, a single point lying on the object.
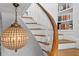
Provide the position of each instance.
(14, 37)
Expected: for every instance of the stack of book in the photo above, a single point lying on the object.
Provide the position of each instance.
(64, 17)
(63, 26)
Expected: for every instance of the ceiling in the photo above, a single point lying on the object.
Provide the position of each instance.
(9, 8)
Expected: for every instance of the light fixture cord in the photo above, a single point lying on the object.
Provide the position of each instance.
(16, 14)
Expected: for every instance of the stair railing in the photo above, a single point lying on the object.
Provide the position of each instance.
(54, 50)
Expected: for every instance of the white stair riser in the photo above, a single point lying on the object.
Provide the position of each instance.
(43, 39)
(28, 20)
(39, 32)
(60, 37)
(43, 46)
(34, 26)
(66, 46)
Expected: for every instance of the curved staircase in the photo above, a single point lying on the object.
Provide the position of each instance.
(39, 32)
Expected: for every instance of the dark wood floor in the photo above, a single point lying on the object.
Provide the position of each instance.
(69, 52)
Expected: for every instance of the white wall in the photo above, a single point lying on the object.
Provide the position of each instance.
(0, 24)
(76, 23)
(52, 8)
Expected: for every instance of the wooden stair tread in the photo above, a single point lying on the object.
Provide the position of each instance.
(36, 29)
(35, 24)
(26, 17)
(45, 43)
(69, 52)
(32, 23)
(64, 41)
(39, 35)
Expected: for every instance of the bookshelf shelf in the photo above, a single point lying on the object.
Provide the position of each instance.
(65, 16)
(64, 21)
(70, 30)
(68, 9)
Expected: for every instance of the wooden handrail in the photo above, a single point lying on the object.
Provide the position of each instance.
(54, 50)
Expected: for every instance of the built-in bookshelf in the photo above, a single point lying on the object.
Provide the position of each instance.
(65, 16)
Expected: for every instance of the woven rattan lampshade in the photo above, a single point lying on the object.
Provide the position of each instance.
(14, 37)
